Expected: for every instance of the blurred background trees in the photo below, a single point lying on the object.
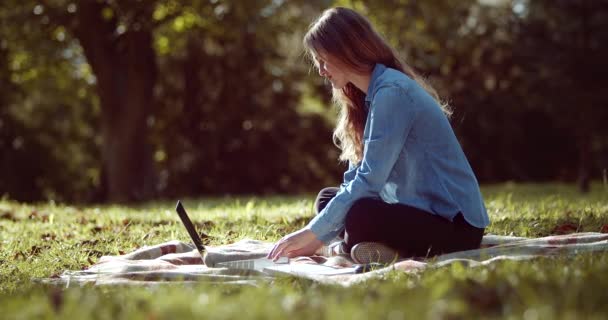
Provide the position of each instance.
(132, 100)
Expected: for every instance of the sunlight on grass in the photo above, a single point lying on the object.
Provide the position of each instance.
(39, 240)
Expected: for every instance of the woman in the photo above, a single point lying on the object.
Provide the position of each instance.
(409, 189)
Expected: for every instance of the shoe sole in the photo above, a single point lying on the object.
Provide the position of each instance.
(373, 252)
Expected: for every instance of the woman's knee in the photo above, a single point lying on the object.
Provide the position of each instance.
(324, 196)
(361, 222)
(360, 212)
(328, 192)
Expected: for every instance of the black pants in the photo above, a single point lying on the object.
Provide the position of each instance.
(411, 231)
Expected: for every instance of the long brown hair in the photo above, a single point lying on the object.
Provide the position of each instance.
(349, 37)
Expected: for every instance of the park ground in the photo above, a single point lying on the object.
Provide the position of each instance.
(42, 240)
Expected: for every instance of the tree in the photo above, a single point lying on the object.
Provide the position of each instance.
(116, 37)
(48, 146)
(229, 120)
(230, 74)
(117, 41)
(565, 44)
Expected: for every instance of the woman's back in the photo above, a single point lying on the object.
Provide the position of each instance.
(431, 172)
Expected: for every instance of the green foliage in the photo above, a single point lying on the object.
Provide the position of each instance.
(227, 100)
(237, 110)
(47, 112)
(238, 86)
(45, 239)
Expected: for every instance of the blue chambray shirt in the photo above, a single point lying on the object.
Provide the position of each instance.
(411, 156)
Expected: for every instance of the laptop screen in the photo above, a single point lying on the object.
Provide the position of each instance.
(196, 239)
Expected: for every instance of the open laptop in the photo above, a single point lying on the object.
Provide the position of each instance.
(281, 266)
(250, 264)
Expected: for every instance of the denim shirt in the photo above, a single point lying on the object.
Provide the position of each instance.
(410, 156)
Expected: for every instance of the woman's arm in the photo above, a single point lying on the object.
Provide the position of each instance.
(391, 117)
(390, 121)
(349, 174)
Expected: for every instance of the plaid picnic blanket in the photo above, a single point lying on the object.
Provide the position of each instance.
(177, 261)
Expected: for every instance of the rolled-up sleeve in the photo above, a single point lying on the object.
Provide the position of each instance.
(390, 121)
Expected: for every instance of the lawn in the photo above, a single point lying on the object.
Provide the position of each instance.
(40, 240)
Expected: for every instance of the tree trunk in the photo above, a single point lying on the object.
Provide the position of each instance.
(584, 136)
(584, 158)
(125, 68)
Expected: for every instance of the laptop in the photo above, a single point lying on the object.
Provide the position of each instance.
(251, 264)
(268, 266)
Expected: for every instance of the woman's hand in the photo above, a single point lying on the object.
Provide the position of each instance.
(300, 243)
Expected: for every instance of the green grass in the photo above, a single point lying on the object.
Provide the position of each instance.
(40, 240)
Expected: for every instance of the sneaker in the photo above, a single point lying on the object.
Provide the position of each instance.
(373, 252)
(333, 249)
